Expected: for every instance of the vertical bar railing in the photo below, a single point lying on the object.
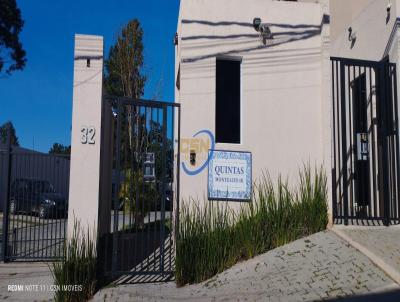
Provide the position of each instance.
(151, 253)
(344, 145)
(352, 136)
(177, 178)
(373, 202)
(382, 200)
(8, 164)
(384, 142)
(163, 187)
(396, 128)
(117, 189)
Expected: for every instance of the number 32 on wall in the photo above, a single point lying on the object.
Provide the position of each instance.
(88, 135)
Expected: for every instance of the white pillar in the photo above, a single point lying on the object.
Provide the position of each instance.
(326, 104)
(86, 132)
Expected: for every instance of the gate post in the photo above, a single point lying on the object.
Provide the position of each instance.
(86, 136)
(6, 195)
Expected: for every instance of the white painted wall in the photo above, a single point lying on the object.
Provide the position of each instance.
(371, 23)
(85, 158)
(285, 112)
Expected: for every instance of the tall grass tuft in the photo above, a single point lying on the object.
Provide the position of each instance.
(214, 237)
(75, 275)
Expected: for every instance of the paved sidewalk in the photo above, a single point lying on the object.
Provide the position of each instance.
(380, 244)
(25, 274)
(321, 266)
(384, 242)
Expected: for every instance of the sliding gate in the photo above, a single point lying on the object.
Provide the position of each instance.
(145, 169)
(365, 173)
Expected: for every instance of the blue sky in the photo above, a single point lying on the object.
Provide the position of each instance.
(38, 100)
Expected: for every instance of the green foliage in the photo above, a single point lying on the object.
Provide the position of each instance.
(133, 186)
(123, 68)
(60, 149)
(12, 55)
(138, 196)
(213, 238)
(77, 268)
(8, 126)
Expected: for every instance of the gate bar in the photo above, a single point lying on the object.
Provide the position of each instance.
(140, 102)
(383, 133)
(344, 145)
(7, 195)
(396, 136)
(116, 203)
(164, 169)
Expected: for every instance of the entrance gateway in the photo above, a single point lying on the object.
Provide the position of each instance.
(365, 172)
(144, 185)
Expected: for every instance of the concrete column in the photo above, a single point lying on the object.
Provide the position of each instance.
(326, 104)
(86, 132)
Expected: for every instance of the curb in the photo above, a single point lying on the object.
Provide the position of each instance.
(386, 268)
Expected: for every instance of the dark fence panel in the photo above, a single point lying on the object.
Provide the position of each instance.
(35, 206)
(365, 169)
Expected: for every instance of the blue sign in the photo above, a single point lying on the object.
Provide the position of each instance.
(229, 175)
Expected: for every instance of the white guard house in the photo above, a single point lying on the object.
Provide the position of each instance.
(267, 86)
(261, 86)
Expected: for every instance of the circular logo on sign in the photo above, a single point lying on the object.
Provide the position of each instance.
(200, 147)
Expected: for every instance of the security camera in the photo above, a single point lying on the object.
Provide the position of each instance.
(257, 23)
(263, 29)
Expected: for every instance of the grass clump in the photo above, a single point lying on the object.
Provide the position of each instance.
(213, 238)
(75, 275)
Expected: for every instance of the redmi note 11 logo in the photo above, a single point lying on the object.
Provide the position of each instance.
(195, 153)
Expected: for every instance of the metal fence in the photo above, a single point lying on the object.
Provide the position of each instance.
(34, 188)
(144, 187)
(365, 173)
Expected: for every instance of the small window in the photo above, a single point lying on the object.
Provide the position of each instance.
(227, 111)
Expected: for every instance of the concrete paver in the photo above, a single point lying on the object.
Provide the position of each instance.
(384, 242)
(321, 266)
(34, 281)
(318, 267)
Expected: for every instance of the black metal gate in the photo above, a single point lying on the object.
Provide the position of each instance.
(145, 171)
(34, 189)
(365, 173)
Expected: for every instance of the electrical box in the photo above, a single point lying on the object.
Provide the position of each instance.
(149, 171)
(362, 146)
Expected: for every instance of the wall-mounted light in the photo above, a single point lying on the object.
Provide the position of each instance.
(389, 7)
(352, 35)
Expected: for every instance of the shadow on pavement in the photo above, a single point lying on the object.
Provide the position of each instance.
(388, 296)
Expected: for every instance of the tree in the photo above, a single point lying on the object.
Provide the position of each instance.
(123, 68)
(4, 130)
(12, 55)
(123, 73)
(60, 149)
